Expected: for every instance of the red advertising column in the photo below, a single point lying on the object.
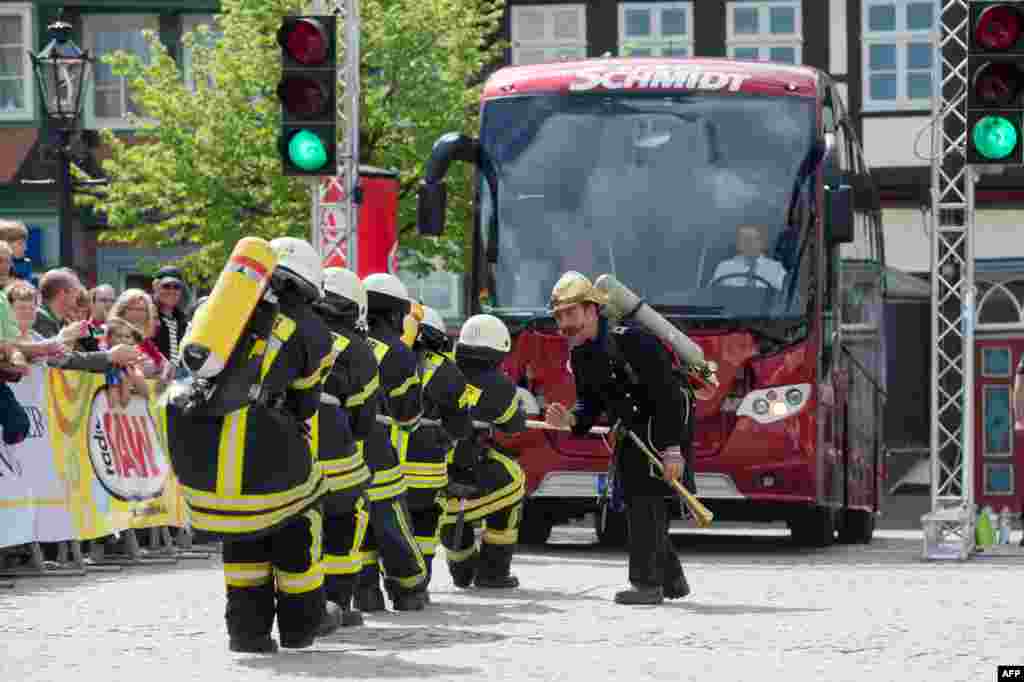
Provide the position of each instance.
(377, 238)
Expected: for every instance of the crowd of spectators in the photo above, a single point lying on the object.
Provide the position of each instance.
(129, 337)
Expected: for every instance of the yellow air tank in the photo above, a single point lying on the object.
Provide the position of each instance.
(220, 322)
(411, 324)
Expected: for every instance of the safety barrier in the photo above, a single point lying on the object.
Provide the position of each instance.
(89, 469)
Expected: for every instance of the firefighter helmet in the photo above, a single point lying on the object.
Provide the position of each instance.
(345, 284)
(385, 292)
(485, 331)
(298, 258)
(573, 288)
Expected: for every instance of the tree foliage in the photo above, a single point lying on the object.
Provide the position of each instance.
(202, 167)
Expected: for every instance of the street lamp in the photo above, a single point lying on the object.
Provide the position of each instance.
(62, 70)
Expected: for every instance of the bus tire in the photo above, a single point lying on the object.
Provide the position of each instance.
(814, 527)
(858, 527)
(611, 527)
(535, 528)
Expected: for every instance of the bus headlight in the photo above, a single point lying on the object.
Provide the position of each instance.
(769, 405)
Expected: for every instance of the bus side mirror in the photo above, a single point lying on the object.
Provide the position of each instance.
(431, 204)
(432, 198)
(839, 214)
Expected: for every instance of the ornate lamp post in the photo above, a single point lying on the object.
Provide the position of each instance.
(62, 71)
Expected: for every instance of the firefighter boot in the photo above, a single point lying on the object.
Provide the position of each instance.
(637, 595)
(428, 562)
(493, 571)
(341, 594)
(368, 597)
(330, 621)
(404, 599)
(677, 589)
(259, 645)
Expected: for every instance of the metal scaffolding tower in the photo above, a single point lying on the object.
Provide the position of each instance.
(347, 12)
(949, 528)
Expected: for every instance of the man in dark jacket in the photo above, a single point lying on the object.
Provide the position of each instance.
(627, 374)
(168, 291)
(59, 290)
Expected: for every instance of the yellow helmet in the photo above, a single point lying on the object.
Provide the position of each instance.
(573, 288)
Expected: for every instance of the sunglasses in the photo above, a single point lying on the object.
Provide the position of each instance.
(170, 285)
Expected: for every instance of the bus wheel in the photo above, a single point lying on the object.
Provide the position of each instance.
(535, 528)
(815, 527)
(858, 527)
(611, 527)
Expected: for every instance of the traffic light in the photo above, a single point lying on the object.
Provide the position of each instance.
(308, 93)
(995, 82)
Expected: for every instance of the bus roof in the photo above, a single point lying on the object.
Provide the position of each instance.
(657, 74)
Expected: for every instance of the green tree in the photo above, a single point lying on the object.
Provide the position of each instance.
(202, 166)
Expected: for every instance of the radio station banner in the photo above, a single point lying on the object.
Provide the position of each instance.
(88, 468)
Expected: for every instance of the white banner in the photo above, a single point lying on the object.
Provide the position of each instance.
(35, 502)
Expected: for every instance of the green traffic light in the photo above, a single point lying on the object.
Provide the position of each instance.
(306, 150)
(994, 137)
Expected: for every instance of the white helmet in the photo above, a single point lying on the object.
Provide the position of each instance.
(385, 291)
(433, 319)
(346, 284)
(298, 257)
(485, 331)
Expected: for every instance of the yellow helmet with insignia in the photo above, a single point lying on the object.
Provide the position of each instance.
(573, 288)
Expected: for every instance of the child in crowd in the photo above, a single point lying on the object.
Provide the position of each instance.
(123, 383)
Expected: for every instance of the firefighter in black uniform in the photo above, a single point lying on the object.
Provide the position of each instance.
(347, 412)
(626, 373)
(250, 476)
(425, 452)
(389, 540)
(500, 484)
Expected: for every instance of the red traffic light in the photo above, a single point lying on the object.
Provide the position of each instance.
(998, 27)
(305, 40)
(304, 97)
(997, 84)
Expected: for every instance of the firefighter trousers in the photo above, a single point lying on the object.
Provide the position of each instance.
(389, 543)
(498, 510)
(285, 566)
(425, 508)
(652, 559)
(344, 534)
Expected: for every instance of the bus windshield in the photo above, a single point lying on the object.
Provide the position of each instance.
(698, 202)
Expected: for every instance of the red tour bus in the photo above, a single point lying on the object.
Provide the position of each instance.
(733, 196)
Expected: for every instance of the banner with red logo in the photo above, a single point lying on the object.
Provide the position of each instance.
(116, 463)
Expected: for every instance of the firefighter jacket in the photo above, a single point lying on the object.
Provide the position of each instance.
(400, 399)
(425, 452)
(627, 374)
(249, 472)
(348, 408)
(493, 399)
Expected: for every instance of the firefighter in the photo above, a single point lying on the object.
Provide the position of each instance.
(498, 480)
(426, 451)
(348, 408)
(260, 490)
(627, 373)
(389, 541)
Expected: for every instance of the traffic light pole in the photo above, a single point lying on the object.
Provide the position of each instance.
(348, 159)
(949, 528)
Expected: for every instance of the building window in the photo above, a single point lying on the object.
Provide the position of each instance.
(661, 29)
(548, 33)
(189, 24)
(108, 101)
(900, 69)
(765, 31)
(16, 79)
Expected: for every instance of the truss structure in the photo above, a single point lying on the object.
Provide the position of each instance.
(347, 12)
(949, 528)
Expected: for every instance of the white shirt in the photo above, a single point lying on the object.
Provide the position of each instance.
(766, 268)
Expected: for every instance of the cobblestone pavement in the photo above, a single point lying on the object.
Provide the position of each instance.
(761, 609)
